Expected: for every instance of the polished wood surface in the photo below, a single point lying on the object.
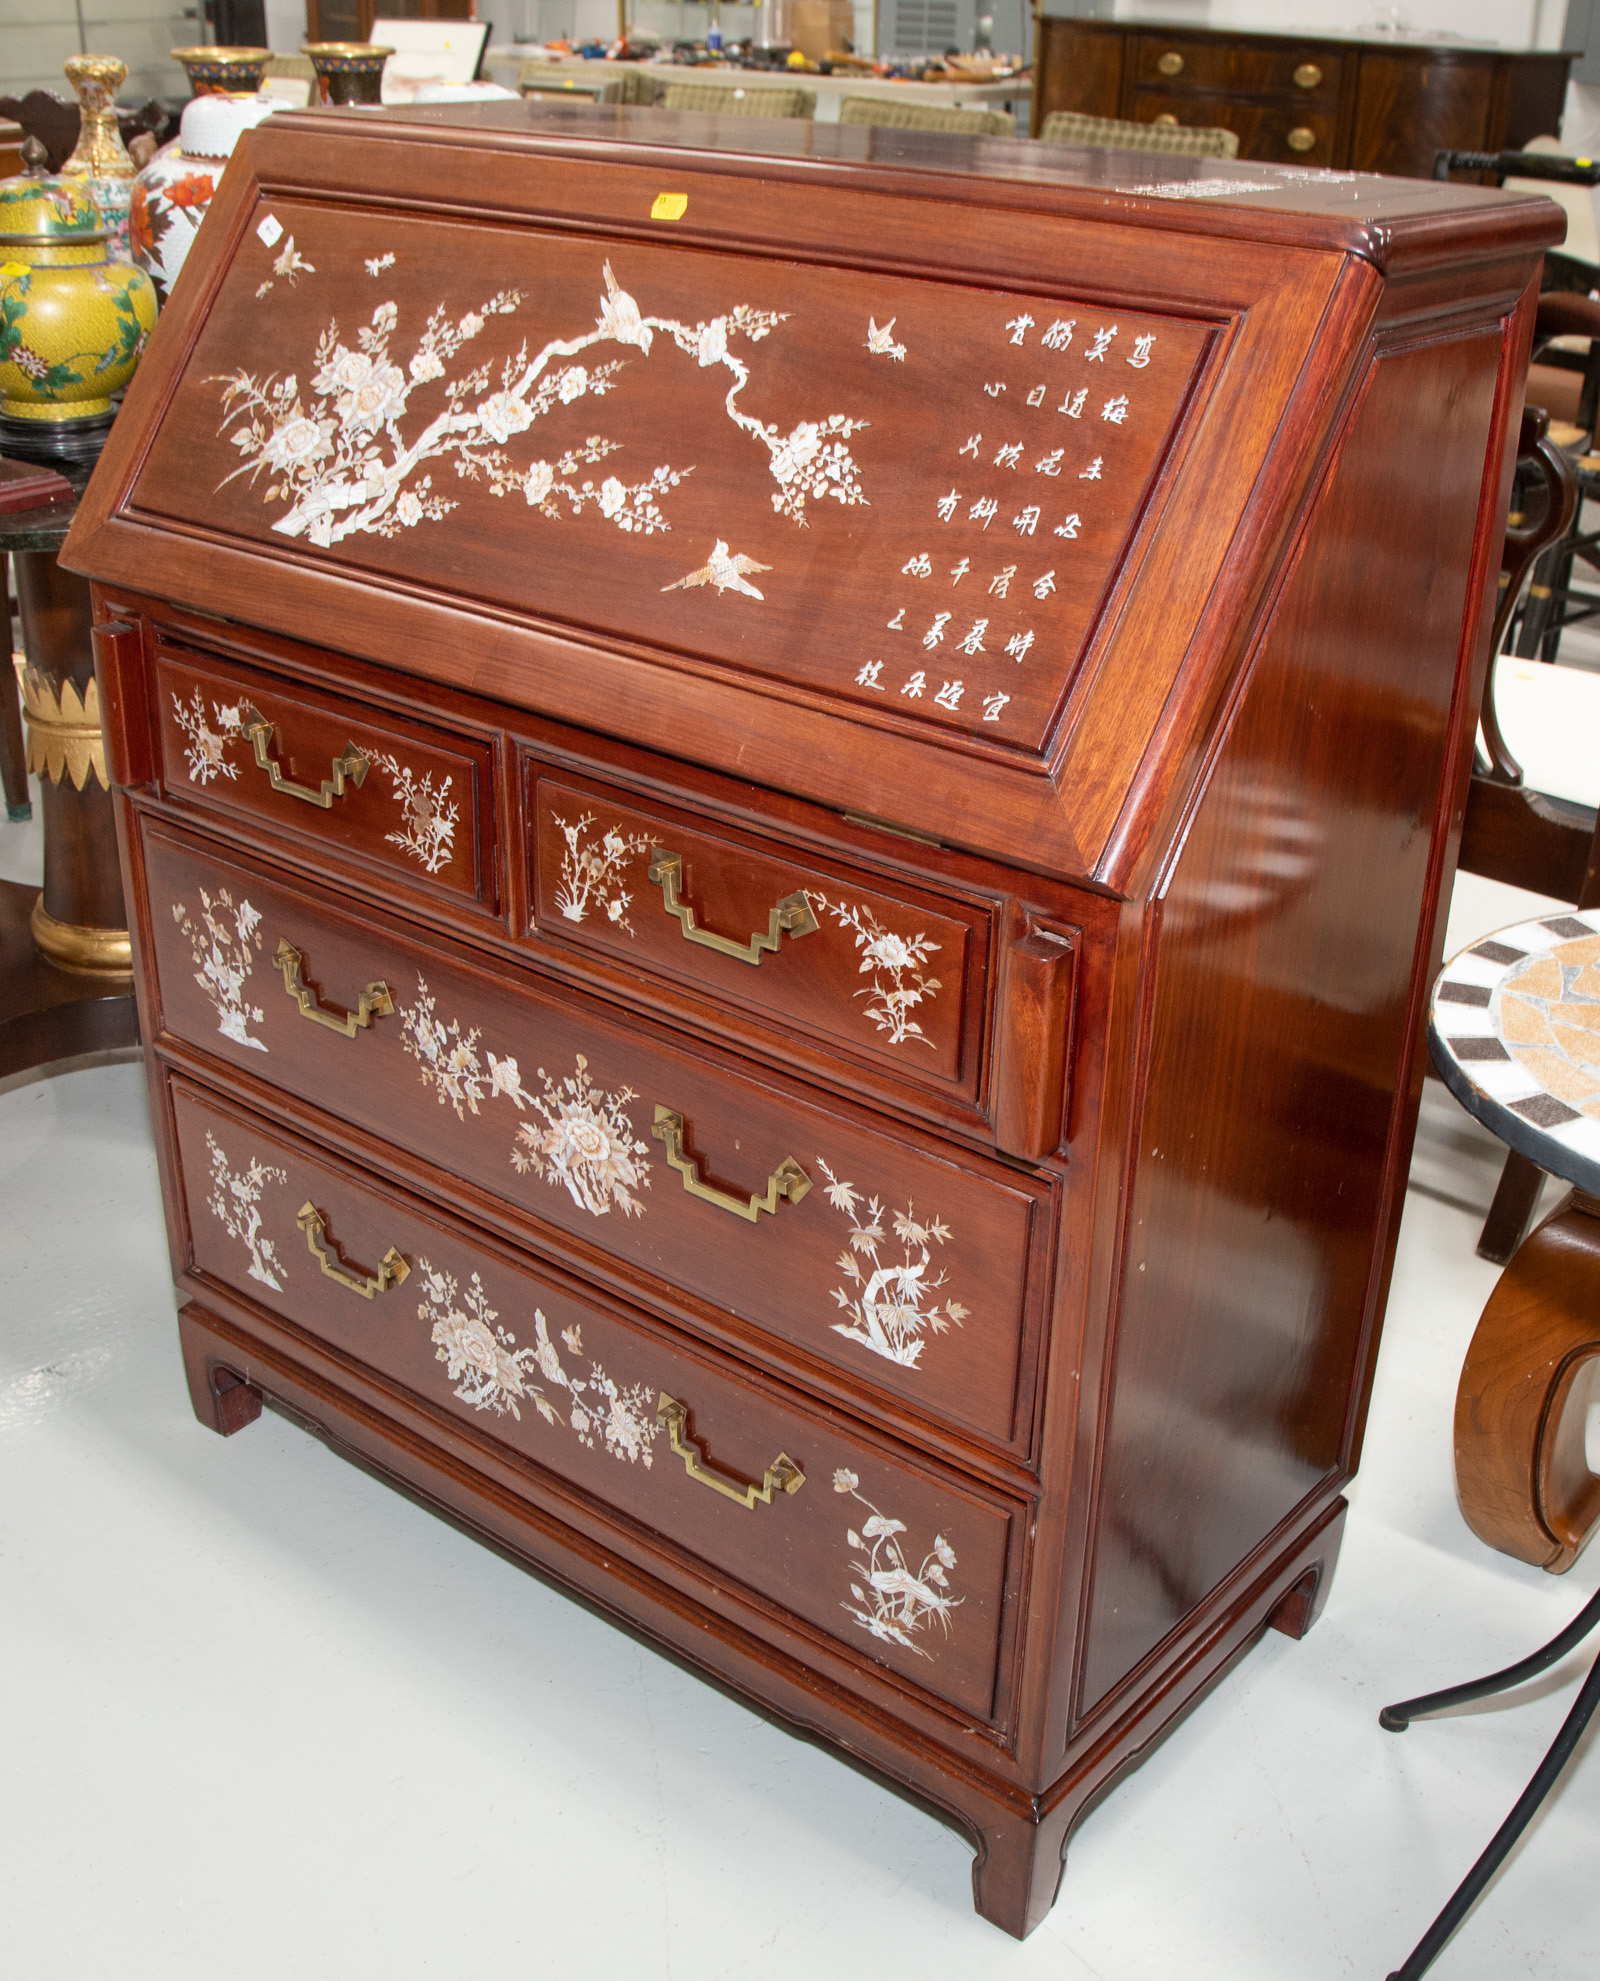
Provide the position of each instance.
(1049, 1183)
(1526, 1387)
(1369, 106)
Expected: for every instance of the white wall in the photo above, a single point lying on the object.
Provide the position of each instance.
(37, 36)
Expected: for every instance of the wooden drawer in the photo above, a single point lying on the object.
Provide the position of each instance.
(895, 1559)
(1291, 71)
(1297, 135)
(1167, 59)
(884, 971)
(911, 1271)
(307, 764)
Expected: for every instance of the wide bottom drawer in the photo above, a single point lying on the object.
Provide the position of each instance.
(897, 1560)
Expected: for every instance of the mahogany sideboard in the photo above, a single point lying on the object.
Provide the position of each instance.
(785, 793)
(1379, 105)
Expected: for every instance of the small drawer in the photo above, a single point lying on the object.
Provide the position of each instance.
(311, 766)
(1296, 75)
(912, 1270)
(885, 972)
(1169, 60)
(892, 1557)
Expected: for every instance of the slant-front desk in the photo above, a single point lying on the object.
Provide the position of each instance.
(785, 796)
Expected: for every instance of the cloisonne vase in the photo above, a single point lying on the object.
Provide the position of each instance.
(172, 195)
(220, 71)
(348, 71)
(73, 322)
(100, 158)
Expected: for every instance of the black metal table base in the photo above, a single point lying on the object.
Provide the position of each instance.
(1395, 1719)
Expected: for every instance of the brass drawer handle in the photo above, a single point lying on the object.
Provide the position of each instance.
(374, 1002)
(1171, 64)
(1302, 139)
(1307, 76)
(349, 764)
(1167, 118)
(793, 913)
(782, 1475)
(787, 1180)
(392, 1269)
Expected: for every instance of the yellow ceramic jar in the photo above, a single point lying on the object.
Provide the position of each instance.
(73, 323)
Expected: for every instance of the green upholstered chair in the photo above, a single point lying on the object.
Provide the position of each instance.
(1113, 134)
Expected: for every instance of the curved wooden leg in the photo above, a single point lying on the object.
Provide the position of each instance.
(223, 1400)
(1523, 1399)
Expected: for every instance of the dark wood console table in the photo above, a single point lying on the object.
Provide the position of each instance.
(1384, 105)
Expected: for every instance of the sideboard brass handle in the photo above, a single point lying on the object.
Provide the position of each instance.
(1307, 76)
(349, 764)
(793, 913)
(1171, 64)
(782, 1475)
(392, 1269)
(374, 1002)
(787, 1180)
(1301, 138)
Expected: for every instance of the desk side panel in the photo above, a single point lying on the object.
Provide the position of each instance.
(1294, 933)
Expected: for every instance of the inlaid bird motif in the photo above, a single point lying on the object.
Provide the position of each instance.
(725, 572)
(881, 342)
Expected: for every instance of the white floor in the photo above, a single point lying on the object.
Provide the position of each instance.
(261, 1717)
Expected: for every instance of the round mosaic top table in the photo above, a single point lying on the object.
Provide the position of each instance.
(1514, 1029)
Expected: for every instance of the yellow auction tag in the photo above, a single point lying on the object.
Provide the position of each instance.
(670, 206)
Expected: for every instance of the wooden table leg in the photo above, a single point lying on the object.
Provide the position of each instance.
(13, 755)
(1523, 1401)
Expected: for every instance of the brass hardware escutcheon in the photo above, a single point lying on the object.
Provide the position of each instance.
(1307, 76)
(392, 1269)
(1302, 139)
(1166, 117)
(349, 765)
(787, 1180)
(793, 913)
(374, 1002)
(1171, 64)
(782, 1475)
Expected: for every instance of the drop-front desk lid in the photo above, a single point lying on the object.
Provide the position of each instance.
(935, 478)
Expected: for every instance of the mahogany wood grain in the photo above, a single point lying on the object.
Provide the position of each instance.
(1357, 696)
(420, 804)
(567, 1416)
(422, 1079)
(1523, 1399)
(1156, 1165)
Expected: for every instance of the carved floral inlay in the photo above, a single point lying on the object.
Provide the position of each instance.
(206, 748)
(588, 1143)
(892, 1600)
(888, 1304)
(895, 964)
(429, 813)
(224, 940)
(490, 1372)
(236, 1204)
(336, 453)
(591, 874)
